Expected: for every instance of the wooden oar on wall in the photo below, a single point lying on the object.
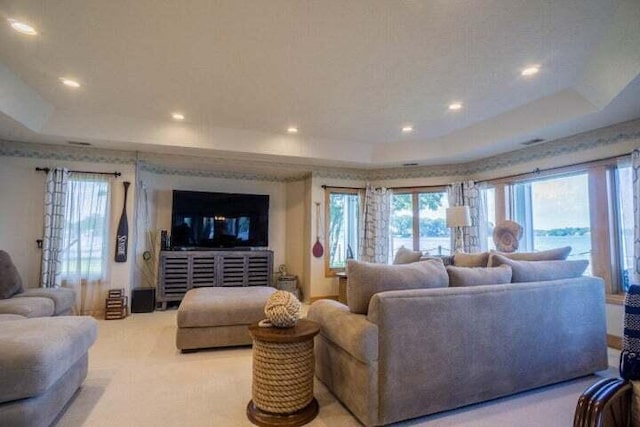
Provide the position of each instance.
(317, 250)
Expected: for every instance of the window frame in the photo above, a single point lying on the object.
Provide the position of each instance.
(603, 206)
(328, 190)
(415, 203)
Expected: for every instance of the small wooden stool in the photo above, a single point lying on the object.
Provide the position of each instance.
(283, 371)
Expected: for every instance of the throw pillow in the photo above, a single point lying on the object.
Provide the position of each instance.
(406, 256)
(475, 276)
(366, 279)
(10, 281)
(556, 254)
(478, 259)
(538, 271)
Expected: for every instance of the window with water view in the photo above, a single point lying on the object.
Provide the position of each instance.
(555, 212)
(343, 227)
(418, 222)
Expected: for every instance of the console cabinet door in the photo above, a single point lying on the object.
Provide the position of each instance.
(174, 276)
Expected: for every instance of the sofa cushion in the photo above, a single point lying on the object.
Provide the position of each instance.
(474, 276)
(537, 271)
(35, 353)
(556, 254)
(63, 298)
(10, 281)
(478, 259)
(10, 317)
(406, 256)
(28, 307)
(366, 279)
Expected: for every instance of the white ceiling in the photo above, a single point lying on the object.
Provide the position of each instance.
(349, 74)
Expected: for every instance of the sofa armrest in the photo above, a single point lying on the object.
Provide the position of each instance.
(352, 332)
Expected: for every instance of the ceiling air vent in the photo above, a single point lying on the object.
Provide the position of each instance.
(409, 164)
(533, 141)
(79, 143)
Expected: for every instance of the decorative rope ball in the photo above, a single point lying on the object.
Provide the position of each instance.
(282, 309)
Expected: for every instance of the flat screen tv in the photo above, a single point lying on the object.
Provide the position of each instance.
(219, 220)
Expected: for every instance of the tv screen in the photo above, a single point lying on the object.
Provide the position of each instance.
(219, 220)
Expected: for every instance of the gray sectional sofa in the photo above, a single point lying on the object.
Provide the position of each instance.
(432, 347)
(43, 359)
(30, 302)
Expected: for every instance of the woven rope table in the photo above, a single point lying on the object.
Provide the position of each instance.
(283, 371)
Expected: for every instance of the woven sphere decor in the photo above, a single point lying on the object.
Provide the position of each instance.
(506, 236)
(282, 309)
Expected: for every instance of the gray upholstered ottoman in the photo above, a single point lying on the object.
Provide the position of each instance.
(219, 317)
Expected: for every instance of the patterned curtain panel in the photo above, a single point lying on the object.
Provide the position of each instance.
(475, 237)
(54, 209)
(635, 169)
(455, 198)
(374, 235)
(468, 193)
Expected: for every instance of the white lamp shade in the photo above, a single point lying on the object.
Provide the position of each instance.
(458, 216)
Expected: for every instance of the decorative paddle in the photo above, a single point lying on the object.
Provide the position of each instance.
(317, 250)
(122, 236)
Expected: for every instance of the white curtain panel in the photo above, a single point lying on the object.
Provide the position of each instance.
(147, 238)
(635, 168)
(85, 254)
(374, 235)
(55, 198)
(469, 193)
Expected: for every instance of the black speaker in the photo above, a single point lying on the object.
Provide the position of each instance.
(143, 300)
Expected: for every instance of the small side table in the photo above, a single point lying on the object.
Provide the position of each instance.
(283, 371)
(342, 287)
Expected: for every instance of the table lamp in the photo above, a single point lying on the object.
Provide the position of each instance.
(458, 217)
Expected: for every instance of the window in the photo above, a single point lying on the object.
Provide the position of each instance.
(342, 230)
(587, 206)
(418, 221)
(85, 231)
(555, 212)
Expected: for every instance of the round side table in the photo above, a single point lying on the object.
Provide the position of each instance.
(283, 371)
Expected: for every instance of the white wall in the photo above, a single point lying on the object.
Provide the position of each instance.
(615, 315)
(22, 210)
(297, 233)
(161, 186)
(321, 285)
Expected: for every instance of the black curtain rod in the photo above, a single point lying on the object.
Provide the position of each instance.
(115, 174)
(324, 186)
(538, 171)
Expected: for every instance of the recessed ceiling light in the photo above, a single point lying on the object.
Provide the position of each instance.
(177, 116)
(455, 106)
(22, 28)
(530, 71)
(70, 82)
(407, 129)
(292, 129)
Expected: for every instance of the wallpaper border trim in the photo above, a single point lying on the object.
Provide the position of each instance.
(289, 172)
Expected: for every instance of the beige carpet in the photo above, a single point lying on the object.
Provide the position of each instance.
(138, 378)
